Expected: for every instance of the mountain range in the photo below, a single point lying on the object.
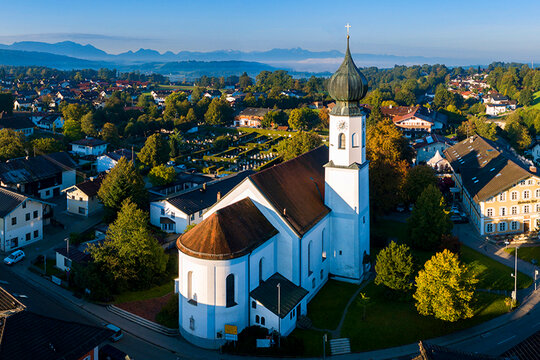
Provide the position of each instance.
(72, 55)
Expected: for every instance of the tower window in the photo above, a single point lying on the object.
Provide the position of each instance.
(341, 141)
(229, 289)
(354, 140)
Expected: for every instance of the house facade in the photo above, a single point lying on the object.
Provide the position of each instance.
(251, 117)
(82, 199)
(428, 146)
(21, 221)
(499, 191)
(107, 161)
(89, 146)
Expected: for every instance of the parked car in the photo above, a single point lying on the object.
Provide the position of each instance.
(118, 334)
(14, 257)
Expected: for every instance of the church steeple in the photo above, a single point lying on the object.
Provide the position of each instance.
(347, 86)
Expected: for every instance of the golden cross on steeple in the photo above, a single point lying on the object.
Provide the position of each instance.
(348, 27)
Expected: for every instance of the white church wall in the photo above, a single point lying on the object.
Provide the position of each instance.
(348, 126)
(266, 252)
(210, 314)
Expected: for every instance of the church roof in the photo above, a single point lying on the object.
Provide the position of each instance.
(347, 86)
(267, 294)
(230, 232)
(295, 188)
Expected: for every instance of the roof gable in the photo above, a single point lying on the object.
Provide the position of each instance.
(295, 189)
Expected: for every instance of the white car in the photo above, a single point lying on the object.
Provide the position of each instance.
(14, 257)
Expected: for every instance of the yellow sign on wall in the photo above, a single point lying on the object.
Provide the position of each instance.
(231, 329)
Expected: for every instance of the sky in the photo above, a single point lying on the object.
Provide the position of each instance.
(488, 30)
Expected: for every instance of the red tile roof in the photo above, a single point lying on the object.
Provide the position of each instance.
(230, 232)
(296, 188)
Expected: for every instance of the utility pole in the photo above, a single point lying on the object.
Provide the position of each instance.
(279, 313)
(514, 275)
(535, 276)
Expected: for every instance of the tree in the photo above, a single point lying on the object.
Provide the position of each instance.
(525, 97)
(429, 220)
(389, 155)
(7, 101)
(219, 112)
(445, 288)
(122, 182)
(244, 81)
(72, 130)
(416, 180)
(303, 119)
(131, 255)
(155, 151)
(46, 146)
(109, 133)
(161, 175)
(88, 126)
(73, 112)
(298, 145)
(394, 267)
(11, 145)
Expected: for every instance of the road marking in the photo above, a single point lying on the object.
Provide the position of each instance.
(510, 338)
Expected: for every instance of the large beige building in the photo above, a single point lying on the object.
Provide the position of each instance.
(499, 191)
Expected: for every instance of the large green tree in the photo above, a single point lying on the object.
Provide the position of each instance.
(121, 183)
(109, 133)
(88, 125)
(219, 112)
(155, 151)
(445, 288)
(303, 119)
(46, 146)
(72, 130)
(416, 180)
(298, 144)
(429, 220)
(395, 267)
(11, 145)
(6, 102)
(131, 255)
(161, 175)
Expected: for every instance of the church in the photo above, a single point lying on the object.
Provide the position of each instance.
(269, 245)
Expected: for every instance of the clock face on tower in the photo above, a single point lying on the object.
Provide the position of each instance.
(342, 125)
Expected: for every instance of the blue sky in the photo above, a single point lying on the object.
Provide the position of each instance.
(491, 30)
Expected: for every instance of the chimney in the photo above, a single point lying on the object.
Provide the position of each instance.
(218, 195)
(532, 169)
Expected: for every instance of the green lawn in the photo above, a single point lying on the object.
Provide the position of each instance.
(156, 291)
(536, 100)
(176, 87)
(313, 342)
(528, 253)
(390, 229)
(326, 308)
(393, 323)
(492, 274)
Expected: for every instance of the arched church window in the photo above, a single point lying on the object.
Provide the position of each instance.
(257, 319)
(229, 291)
(192, 298)
(263, 321)
(260, 271)
(322, 245)
(354, 140)
(309, 257)
(341, 141)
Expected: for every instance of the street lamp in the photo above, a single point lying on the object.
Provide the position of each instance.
(514, 275)
(535, 276)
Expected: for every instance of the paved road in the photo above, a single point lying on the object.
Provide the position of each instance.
(49, 304)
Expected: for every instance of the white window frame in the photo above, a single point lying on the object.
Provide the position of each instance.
(502, 197)
(489, 212)
(526, 209)
(514, 210)
(526, 194)
(514, 195)
(502, 211)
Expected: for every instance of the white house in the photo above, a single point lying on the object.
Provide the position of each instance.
(20, 220)
(82, 198)
(174, 213)
(109, 160)
(89, 146)
(293, 225)
(495, 109)
(18, 122)
(429, 145)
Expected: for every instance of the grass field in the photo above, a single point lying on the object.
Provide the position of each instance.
(327, 306)
(528, 253)
(156, 291)
(391, 322)
(176, 87)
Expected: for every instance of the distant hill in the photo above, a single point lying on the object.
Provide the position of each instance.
(297, 59)
(34, 58)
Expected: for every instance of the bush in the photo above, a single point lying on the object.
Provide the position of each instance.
(168, 315)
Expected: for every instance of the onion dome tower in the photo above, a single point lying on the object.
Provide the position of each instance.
(347, 86)
(347, 173)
